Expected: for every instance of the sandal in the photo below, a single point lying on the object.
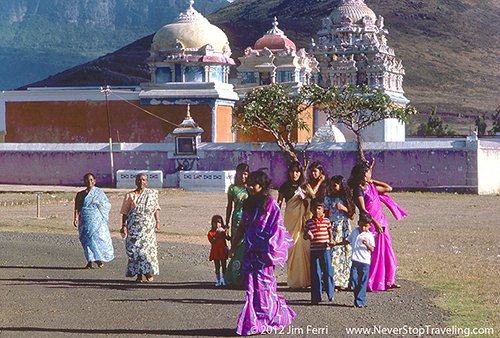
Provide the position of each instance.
(139, 279)
(149, 278)
(395, 286)
(100, 265)
(88, 266)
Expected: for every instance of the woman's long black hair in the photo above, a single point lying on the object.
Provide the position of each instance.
(358, 175)
(261, 178)
(312, 166)
(296, 166)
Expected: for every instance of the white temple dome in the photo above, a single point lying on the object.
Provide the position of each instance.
(355, 10)
(192, 30)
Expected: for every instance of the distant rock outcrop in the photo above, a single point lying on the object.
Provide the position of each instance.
(39, 38)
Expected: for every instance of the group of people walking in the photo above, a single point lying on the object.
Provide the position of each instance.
(140, 220)
(313, 237)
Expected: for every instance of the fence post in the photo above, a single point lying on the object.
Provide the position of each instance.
(38, 204)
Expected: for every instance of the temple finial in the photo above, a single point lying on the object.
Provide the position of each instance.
(275, 30)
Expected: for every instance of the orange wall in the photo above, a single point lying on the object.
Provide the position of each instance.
(256, 135)
(223, 124)
(85, 121)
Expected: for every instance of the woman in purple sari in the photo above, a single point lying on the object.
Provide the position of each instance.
(369, 195)
(266, 244)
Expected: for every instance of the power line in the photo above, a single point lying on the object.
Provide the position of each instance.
(142, 109)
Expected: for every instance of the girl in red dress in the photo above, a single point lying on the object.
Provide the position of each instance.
(218, 236)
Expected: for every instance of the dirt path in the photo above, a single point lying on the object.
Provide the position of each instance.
(44, 292)
(448, 241)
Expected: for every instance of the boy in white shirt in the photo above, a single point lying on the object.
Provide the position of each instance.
(362, 243)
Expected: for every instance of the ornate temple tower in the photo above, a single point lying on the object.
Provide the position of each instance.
(275, 59)
(190, 60)
(352, 49)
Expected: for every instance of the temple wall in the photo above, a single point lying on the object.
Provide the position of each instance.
(257, 135)
(488, 159)
(427, 166)
(86, 121)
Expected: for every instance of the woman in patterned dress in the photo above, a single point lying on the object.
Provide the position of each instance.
(140, 221)
(236, 195)
(91, 218)
(340, 208)
(267, 243)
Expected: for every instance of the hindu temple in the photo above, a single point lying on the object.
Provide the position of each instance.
(352, 48)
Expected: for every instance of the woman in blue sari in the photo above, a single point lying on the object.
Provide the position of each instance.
(91, 218)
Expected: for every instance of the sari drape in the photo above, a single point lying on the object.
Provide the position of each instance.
(93, 227)
(266, 244)
(298, 264)
(233, 271)
(384, 263)
(140, 244)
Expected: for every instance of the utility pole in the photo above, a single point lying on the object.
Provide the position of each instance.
(107, 90)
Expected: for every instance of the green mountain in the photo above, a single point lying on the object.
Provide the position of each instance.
(39, 38)
(450, 49)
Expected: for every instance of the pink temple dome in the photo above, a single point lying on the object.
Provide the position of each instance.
(275, 42)
(275, 39)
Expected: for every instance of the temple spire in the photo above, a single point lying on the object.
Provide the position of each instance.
(275, 30)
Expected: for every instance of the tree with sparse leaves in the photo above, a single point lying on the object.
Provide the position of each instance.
(358, 107)
(278, 110)
(496, 122)
(481, 125)
(435, 126)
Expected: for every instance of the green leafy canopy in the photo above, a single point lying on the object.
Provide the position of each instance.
(358, 107)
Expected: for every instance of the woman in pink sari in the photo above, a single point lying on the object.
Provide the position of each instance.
(369, 195)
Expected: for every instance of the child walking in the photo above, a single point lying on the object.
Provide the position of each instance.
(339, 207)
(363, 243)
(218, 236)
(319, 231)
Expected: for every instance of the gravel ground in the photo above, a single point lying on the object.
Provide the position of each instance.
(44, 292)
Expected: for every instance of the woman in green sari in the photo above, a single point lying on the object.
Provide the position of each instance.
(236, 195)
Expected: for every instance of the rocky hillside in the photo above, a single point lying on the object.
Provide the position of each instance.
(39, 38)
(450, 49)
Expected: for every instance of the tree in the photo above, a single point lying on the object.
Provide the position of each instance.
(278, 110)
(480, 123)
(434, 126)
(496, 122)
(358, 107)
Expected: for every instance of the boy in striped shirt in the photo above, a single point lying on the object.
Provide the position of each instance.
(319, 231)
